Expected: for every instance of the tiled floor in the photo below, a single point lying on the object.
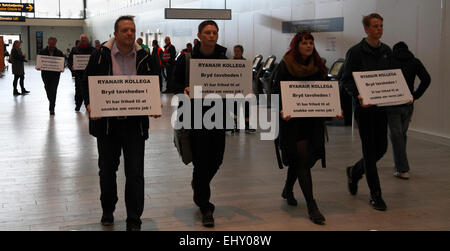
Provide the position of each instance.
(49, 177)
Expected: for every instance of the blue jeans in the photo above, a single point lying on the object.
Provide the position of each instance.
(399, 118)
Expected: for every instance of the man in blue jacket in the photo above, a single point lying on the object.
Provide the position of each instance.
(121, 55)
(369, 55)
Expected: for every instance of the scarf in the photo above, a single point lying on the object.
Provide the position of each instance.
(300, 70)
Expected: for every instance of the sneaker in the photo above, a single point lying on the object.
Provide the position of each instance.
(352, 184)
(314, 214)
(403, 176)
(289, 196)
(377, 202)
(107, 220)
(208, 219)
(248, 130)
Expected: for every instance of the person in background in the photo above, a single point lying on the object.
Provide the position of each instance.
(97, 44)
(399, 117)
(157, 61)
(77, 42)
(196, 41)
(368, 55)
(302, 140)
(51, 78)
(188, 49)
(17, 60)
(141, 43)
(169, 56)
(83, 48)
(238, 55)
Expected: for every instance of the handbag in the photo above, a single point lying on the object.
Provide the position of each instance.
(181, 139)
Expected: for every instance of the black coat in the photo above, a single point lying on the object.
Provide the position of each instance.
(291, 130)
(17, 60)
(182, 75)
(51, 74)
(411, 67)
(100, 64)
(79, 51)
(172, 52)
(363, 57)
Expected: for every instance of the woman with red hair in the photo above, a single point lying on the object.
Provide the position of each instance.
(302, 140)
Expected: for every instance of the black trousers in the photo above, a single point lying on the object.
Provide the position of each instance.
(372, 123)
(126, 136)
(208, 147)
(51, 87)
(16, 78)
(78, 93)
(169, 78)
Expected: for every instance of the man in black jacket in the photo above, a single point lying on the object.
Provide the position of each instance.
(83, 48)
(400, 116)
(208, 146)
(121, 55)
(369, 55)
(51, 78)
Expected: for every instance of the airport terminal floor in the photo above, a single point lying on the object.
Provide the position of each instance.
(49, 177)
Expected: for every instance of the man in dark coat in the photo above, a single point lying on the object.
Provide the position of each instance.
(169, 56)
(83, 48)
(369, 55)
(208, 146)
(51, 78)
(121, 55)
(399, 116)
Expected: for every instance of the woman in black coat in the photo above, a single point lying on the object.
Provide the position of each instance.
(302, 140)
(17, 60)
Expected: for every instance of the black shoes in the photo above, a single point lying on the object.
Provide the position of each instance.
(133, 228)
(16, 93)
(52, 113)
(352, 183)
(24, 92)
(207, 216)
(107, 220)
(314, 214)
(208, 219)
(77, 108)
(377, 202)
(289, 196)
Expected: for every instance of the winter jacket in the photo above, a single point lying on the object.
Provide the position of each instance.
(287, 140)
(100, 64)
(17, 60)
(411, 67)
(363, 57)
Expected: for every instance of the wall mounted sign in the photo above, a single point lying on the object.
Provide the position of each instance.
(17, 7)
(314, 25)
(12, 18)
(197, 14)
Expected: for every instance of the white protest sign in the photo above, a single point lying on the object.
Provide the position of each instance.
(80, 62)
(310, 99)
(49, 63)
(220, 77)
(382, 87)
(112, 96)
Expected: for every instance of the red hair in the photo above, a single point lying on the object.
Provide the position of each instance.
(295, 53)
